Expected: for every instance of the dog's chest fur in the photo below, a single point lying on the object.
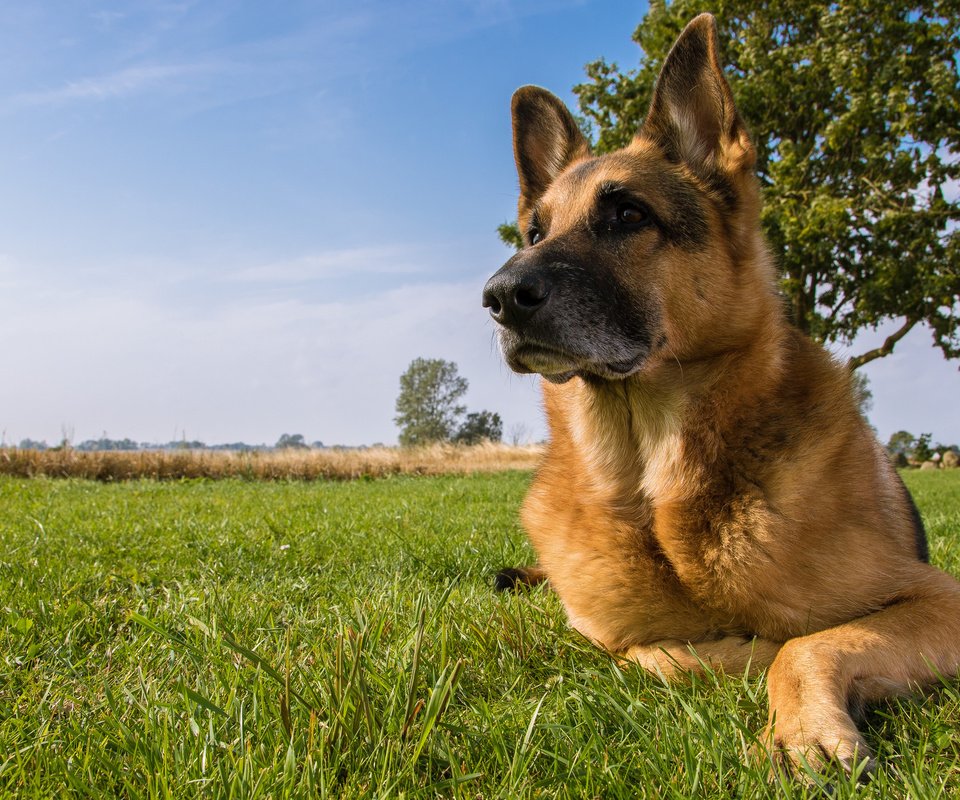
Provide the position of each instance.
(654, 518)
(619, 459)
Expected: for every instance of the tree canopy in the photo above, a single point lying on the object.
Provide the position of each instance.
(428, 408)
(854, 109)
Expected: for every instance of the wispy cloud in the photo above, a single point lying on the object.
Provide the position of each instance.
(249, 368)
(382, 260)
(168, 50)
(122, 83)
(106, 20)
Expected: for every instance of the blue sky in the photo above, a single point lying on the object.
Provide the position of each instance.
(232, 220)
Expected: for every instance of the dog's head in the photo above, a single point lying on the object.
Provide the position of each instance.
(646, 253)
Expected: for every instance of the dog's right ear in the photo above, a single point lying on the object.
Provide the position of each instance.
(693, 115)
(546, 138)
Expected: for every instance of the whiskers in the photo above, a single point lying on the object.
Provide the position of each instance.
(674, 356)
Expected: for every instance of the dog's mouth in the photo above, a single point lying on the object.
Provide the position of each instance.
(532, 357)
(558, 366)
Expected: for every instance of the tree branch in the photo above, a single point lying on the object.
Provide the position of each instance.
(885, 349)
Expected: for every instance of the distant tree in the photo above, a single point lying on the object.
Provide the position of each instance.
(31, 444)
(922, 451)
(291, 441)
(854, 110)
(428, 408)
(480, 426)
(519, 434)
(901, 443)
(104, 443)
(66, 437)
(899, 460)
(862, 393)
(183, 444)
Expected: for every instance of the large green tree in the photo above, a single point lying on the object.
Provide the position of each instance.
(854, 109)
(428, 408)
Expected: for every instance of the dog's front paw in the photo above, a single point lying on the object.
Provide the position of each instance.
(517, 578)
(799, 746)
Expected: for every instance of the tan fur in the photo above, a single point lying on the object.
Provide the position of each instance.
(725, 501)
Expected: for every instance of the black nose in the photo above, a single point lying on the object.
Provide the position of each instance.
(513, 296)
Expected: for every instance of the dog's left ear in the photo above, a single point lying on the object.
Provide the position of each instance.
(693, 116)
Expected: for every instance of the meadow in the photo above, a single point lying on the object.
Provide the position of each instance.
(247, 639)
(288, 464)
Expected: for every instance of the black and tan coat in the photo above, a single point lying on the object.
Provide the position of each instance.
(709, 486)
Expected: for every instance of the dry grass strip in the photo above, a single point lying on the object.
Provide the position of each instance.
(346, 464)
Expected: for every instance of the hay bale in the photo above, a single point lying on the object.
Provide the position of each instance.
(929, 465)
(950, 459)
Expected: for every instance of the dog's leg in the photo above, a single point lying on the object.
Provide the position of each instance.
(816, 679)
(673, 659)
(517, 578)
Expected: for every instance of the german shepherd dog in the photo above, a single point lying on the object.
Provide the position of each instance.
(710, 493)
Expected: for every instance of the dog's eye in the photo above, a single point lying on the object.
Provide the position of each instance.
(632, 215)
(619, 213)
(535, 236)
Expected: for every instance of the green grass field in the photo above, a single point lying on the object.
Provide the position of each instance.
(240, 639)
